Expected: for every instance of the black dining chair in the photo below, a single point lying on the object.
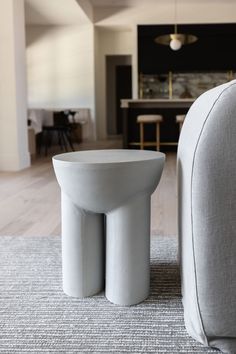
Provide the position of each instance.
(61, 130)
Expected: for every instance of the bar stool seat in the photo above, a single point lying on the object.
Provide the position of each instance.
(180, 120)
(149, 119)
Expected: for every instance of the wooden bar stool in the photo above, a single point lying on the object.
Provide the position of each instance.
(180, 120)
(149, 119)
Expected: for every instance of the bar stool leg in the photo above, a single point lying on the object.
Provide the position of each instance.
(157, 136)
(141, 136)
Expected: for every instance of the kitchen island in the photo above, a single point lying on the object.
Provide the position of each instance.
(168, 108)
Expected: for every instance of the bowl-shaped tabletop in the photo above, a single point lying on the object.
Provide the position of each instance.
(108, 156)
(101, 180)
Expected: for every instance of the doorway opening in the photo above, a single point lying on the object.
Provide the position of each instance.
(118, 86)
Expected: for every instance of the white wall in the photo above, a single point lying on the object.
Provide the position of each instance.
(66, 63)
(60, 69)
(14, 153)
(108, 42)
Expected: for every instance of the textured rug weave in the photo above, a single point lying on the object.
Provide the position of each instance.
(36, 317)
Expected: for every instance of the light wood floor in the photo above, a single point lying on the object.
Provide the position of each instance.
(30, 199)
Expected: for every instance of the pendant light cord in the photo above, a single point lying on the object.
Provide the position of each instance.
(175, 16)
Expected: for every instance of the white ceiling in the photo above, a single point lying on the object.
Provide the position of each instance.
(126, 13)
(120, 3)
(53, 12)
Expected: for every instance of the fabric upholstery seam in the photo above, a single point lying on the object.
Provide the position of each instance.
(193, 246)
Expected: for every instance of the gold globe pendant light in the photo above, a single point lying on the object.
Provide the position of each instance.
(176, 40)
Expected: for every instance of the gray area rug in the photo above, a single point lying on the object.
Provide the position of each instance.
(36, 317)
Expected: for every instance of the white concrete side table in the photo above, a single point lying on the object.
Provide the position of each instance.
(106, 219)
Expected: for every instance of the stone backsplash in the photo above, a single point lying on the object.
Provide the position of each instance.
(181, 85)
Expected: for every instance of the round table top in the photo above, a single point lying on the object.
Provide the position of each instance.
(108, 156)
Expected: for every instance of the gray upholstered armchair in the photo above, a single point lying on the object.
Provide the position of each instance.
(207, 217)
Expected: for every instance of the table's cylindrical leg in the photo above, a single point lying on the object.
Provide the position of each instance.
(128, 252)
(82, 250)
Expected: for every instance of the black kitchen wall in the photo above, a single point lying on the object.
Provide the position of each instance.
(215, 49)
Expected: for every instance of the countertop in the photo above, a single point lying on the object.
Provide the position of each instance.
(155, 102)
